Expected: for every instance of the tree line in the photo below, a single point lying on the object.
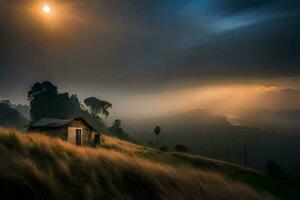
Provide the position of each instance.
(47, 102)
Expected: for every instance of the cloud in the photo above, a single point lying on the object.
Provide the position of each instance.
(137, 45)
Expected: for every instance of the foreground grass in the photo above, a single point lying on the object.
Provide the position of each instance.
(38, 167)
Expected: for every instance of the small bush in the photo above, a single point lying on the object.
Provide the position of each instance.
(181, 148)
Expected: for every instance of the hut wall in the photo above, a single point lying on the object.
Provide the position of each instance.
(88, 134)
(86, 131)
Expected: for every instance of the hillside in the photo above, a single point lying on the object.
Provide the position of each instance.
(24, 110)
(10, 117)
(206, 134)
(39, 167)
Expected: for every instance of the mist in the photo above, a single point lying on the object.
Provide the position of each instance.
(239, 103)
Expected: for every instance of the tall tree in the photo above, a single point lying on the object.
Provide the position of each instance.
(38, 88)
(46, 101)
(117, 130)
(97, 107)
(274, 169)
(117, 123)
(43, 97)
(157, 131)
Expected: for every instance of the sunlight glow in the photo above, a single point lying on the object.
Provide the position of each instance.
(46, 9)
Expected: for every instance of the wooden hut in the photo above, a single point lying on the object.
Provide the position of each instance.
(76, 131)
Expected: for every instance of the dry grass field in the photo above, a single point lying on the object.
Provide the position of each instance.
(38, 167)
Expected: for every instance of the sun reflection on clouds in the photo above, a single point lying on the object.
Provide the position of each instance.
(230, 100)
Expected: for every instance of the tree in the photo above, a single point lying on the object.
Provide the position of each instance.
(164, 148)
(47, 102)
(97, 107)
(117, 123)
(274, 169)
(38, 88)
(7, 102)
(117, 130)
(157, 131)
(181, 148)
(43, 97)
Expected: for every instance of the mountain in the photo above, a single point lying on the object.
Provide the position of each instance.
(275, 120)
(10, 117)
(211, 135)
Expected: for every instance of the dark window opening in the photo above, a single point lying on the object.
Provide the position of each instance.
(97, 139)
(78, 137)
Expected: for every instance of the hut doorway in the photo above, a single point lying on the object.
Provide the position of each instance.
(75, 135)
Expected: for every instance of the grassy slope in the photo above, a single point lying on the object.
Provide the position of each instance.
(282, 189)
(9, 117)
(232, 171)
(40, 167)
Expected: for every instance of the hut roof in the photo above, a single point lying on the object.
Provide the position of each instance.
(55, 123)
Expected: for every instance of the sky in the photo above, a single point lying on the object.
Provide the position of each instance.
(146, 56)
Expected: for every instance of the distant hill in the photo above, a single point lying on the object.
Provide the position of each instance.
(211, 135)
(47, 168)
(24, 110)
(189, 127)
(282, 120)
(10, 117)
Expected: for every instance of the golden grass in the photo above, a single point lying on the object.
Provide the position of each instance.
(38, 167)
(176, 158)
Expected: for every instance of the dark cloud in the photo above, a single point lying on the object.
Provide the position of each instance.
(134, 44)
(232, 6)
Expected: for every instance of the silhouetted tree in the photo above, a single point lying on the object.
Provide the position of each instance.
(117, 130)
(43, 99)
(157, 131)
(274, 169)
(246, 155)
(97, 107)
(47, 102)
(38, 88)
(6, 102)
(181, 148)
(117, 123)
(164, 148)
(74, 100)
(150, 143)
(54, 106)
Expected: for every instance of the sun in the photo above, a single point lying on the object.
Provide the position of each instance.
(46, 9)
